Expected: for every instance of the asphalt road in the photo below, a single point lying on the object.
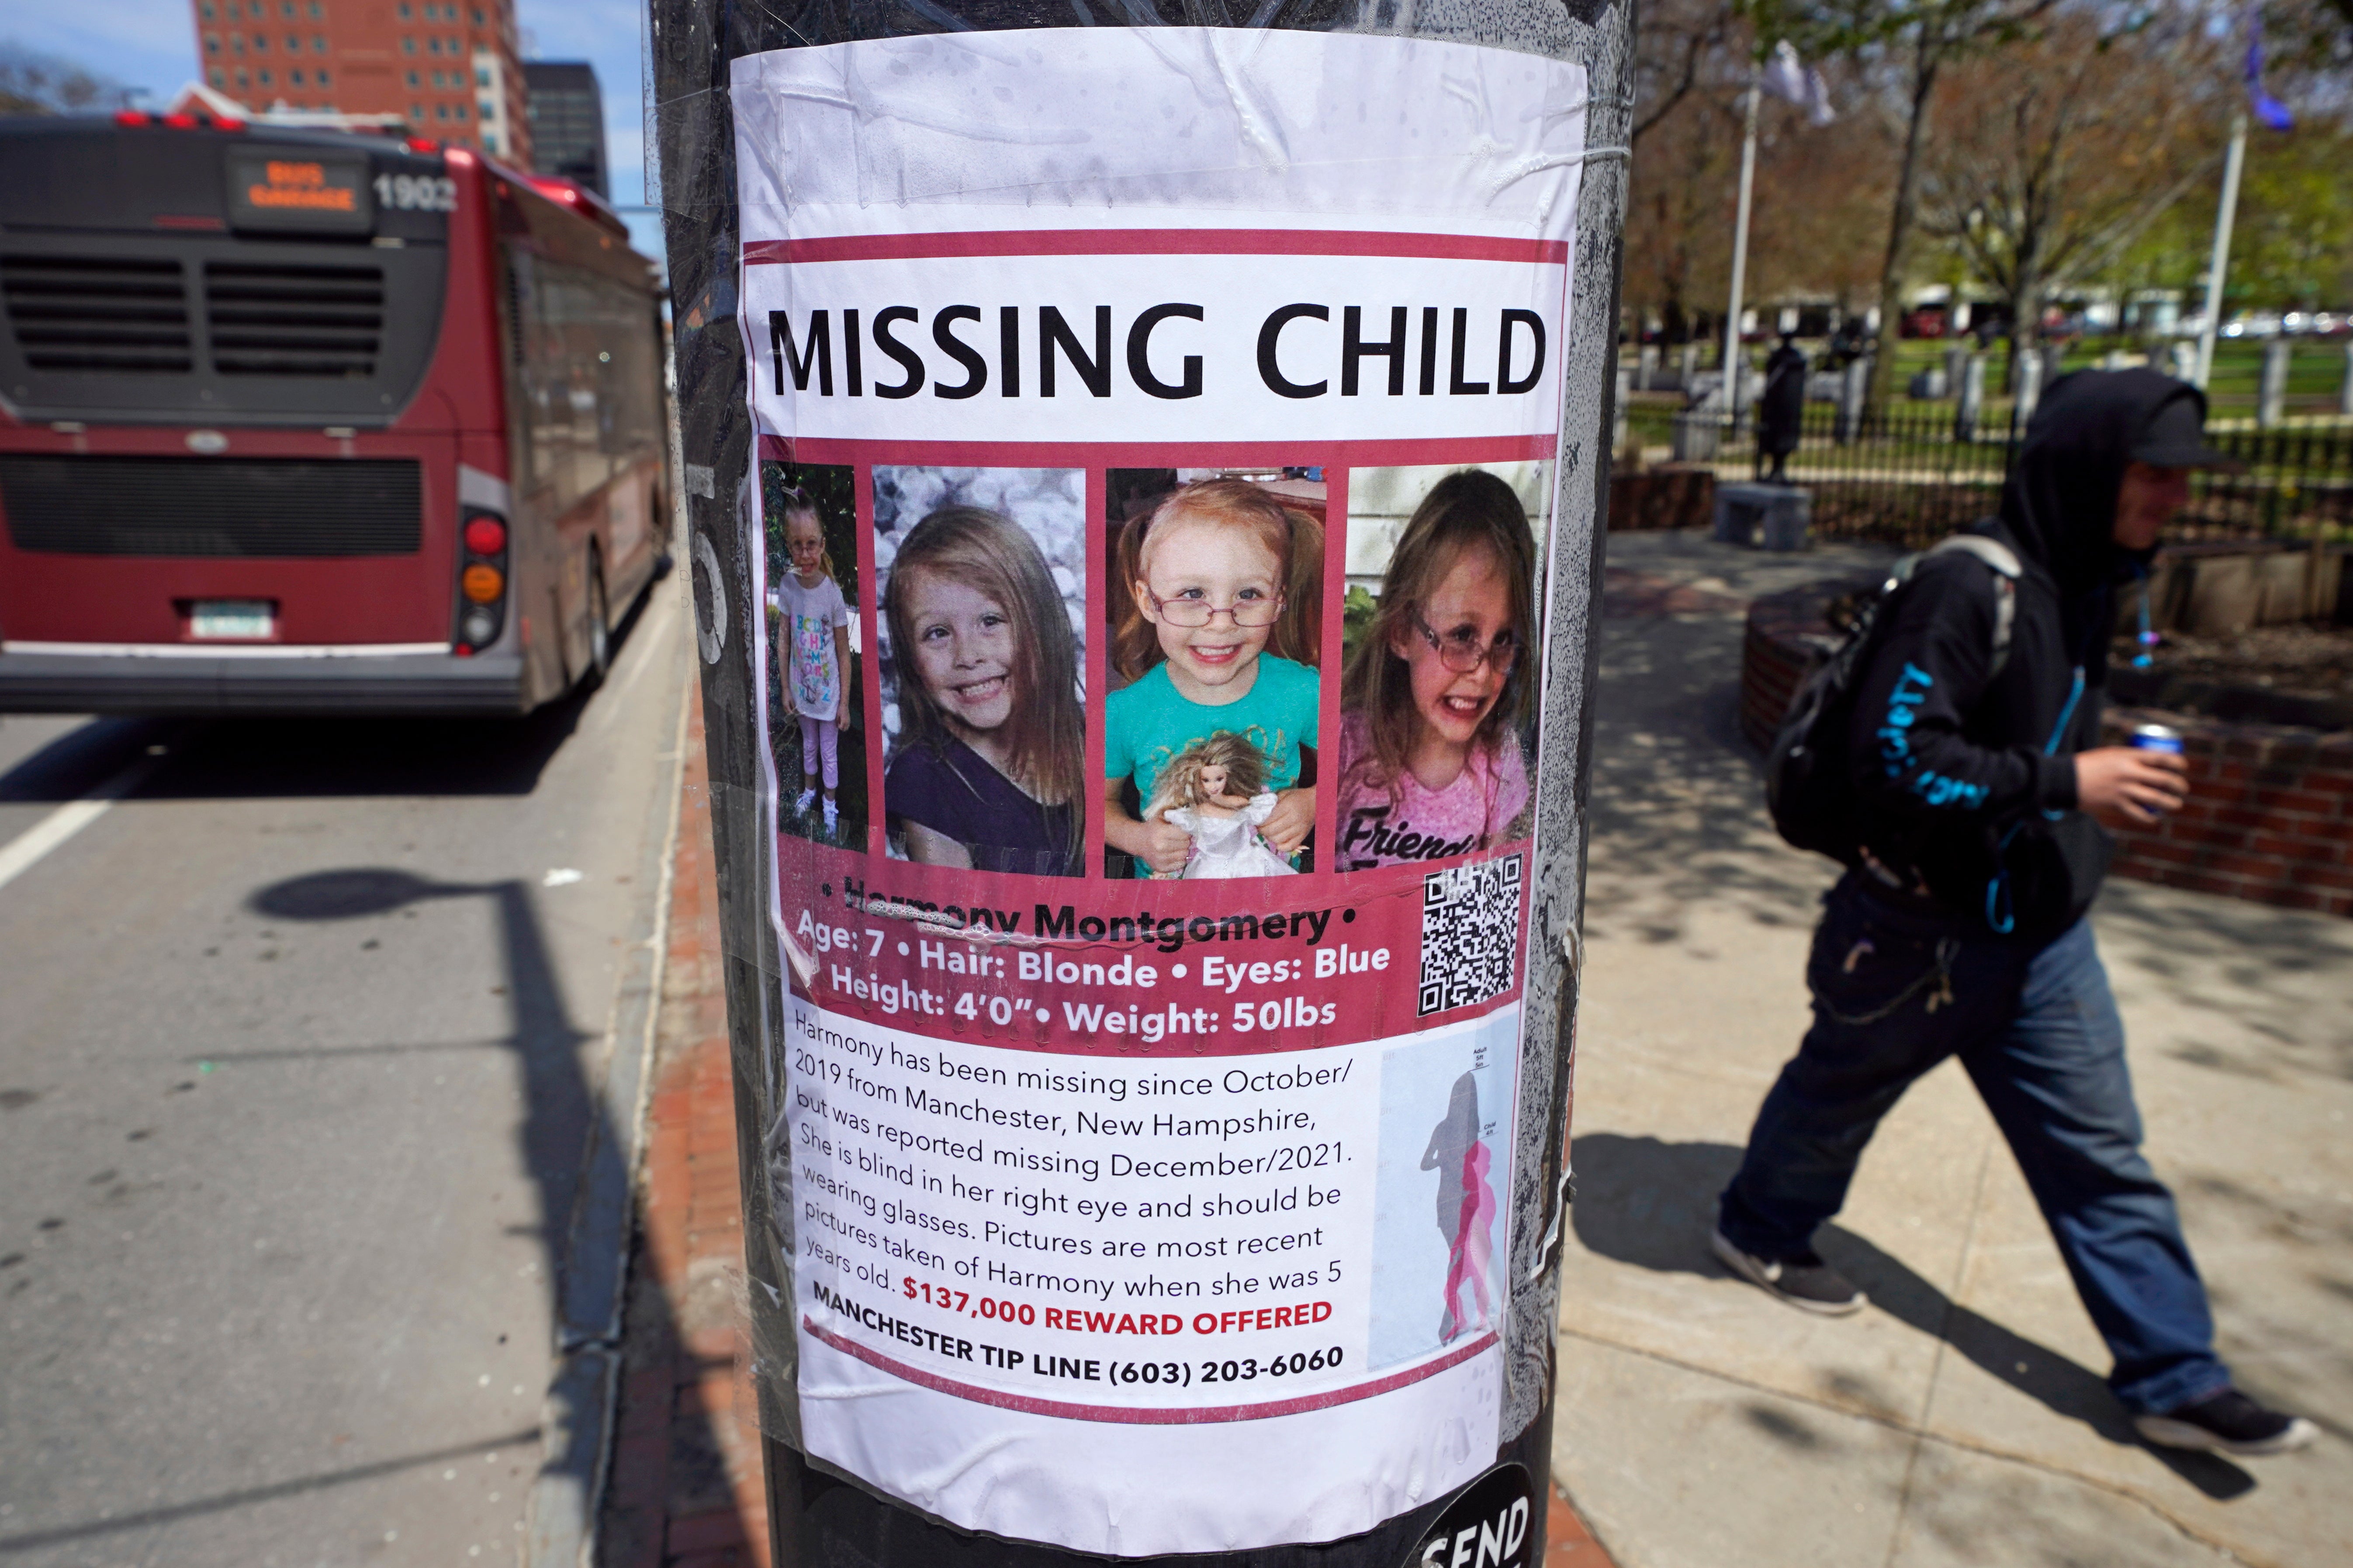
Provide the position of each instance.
(302, 1041)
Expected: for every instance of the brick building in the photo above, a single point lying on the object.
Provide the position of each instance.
(451, 66)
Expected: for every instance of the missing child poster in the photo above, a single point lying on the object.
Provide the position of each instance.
(1157, 432)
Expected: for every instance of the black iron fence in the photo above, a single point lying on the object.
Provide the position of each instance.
(1916, 472)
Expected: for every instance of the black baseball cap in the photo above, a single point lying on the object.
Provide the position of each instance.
(2174, 436)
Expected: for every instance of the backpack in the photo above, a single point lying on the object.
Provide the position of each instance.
(1807, 790)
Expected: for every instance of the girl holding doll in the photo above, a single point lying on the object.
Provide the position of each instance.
(992, 754)
(1217, 572)
(1438, 685)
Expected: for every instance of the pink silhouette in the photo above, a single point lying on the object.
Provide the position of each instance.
(1466, 1206)
(1473, 1243)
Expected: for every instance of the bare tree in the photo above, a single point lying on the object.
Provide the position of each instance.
(35, 83)
(2053, 155)
(1914, 41)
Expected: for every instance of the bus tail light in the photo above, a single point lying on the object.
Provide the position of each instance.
(482, 581)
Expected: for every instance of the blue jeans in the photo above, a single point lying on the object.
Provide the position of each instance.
(2038, 1033)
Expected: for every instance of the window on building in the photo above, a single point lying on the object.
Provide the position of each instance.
(318, 42)
(490, 142)
(294, 77)
(260, 43)
(440, 112)
(432, 46)
(212, 44)
(322, 76)
(317, 10)
(481, 76)
(217, 76)
(265, 79)
(209, 10)
(293, 43)
(240, 78)
(417, 111)
(489, 109)
(404, 12)
(412, 78)
(286, 9)
(478, 19)
(408, 46)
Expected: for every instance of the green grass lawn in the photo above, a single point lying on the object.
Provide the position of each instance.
(2316, 370)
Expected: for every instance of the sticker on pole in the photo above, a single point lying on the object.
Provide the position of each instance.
(1493, 1522)
(1157, 438)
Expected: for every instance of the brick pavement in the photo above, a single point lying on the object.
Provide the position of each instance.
(686, 1489)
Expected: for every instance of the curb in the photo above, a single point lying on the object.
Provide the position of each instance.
(576, 1420)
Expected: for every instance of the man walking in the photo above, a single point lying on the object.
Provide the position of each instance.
(1959, 926)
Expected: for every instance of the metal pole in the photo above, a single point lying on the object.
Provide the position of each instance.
(852, 1340)
(1740, 244)
(2270, 393)
(2225, 214)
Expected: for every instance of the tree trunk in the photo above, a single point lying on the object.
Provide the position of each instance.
(1882, 389)
(2025, 321)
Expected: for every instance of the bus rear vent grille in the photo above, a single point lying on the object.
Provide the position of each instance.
(104, 314)
(274, 319)
(212, 506)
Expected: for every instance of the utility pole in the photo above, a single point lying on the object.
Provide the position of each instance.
(947, 1367)
(2224, 216)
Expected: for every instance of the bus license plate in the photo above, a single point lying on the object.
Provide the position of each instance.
(241, 620)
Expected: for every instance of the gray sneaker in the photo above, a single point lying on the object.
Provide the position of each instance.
(1806, 1283)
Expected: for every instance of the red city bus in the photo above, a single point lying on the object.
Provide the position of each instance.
(311, 422)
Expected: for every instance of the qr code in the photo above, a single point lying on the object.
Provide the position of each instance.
(1470, 933)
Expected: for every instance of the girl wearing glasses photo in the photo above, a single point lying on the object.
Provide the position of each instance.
(1212, 570)
(1439, 684)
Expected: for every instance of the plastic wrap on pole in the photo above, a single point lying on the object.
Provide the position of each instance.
(693, 174)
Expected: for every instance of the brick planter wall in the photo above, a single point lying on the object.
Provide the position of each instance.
(1670, 495)
(2270, 814)
(1785, 635)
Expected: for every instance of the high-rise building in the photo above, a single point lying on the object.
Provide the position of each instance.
(452, 67)
(567, 121)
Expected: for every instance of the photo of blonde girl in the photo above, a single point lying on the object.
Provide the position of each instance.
(1440, 679)
(1212, 636)
(810, 515)
(983, 676)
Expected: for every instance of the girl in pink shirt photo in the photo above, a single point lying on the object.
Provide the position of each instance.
(1441, 683)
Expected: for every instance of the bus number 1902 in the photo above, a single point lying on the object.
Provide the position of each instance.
(417, 193)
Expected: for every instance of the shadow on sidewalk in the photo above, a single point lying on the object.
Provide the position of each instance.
(1650, 1202)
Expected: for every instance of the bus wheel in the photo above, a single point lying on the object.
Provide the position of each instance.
(600, 626)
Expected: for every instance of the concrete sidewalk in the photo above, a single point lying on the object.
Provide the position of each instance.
(1963, 1418)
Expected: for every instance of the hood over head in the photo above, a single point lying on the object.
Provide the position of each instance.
(2060, 500)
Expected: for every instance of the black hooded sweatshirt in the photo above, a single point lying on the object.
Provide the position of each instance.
(1965, 777)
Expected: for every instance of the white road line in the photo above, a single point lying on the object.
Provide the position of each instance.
(23, 852)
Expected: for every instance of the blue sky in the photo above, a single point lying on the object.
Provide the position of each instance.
(152, 45)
